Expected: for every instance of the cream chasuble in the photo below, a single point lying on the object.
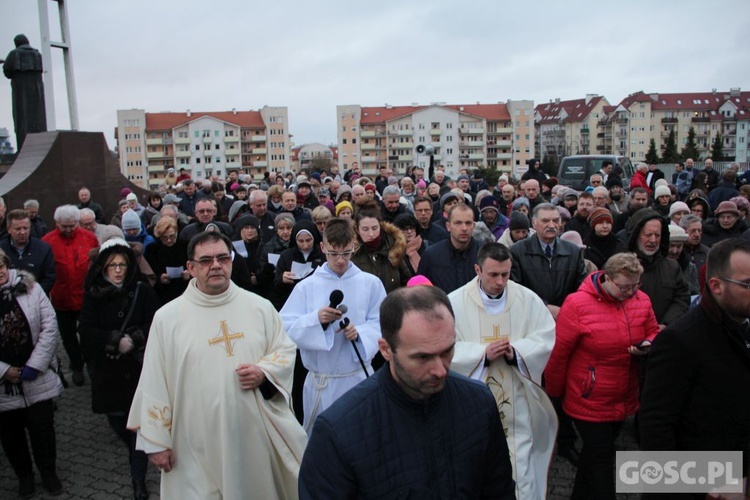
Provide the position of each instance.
(227, 443)
(527, 414)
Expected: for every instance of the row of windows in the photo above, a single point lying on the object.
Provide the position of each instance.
(133, 123)
(129, 137)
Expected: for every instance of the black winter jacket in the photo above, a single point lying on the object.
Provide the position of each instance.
(695, 392)
(552, 280)
(446, 267)
(36, 258)
(662, 278)
(377, 442)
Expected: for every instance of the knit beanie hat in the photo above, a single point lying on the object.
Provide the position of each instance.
(677, 234)
(678, 206)
(599, 215)
(660, 182)
(130, 220)
(341, 206)
(518, 220)
(662, 191)
(612, 181)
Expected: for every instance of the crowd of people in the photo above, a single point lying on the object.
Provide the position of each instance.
(296, 337)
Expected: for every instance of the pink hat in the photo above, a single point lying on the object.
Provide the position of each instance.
(419, 280)
(421, 184)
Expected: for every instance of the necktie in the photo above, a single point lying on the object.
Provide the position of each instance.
(548, 252)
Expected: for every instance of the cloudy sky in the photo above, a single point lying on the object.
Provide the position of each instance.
(174, 55)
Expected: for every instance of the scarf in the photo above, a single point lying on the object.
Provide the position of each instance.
(374, 244)
(16, 342)
(412, 251)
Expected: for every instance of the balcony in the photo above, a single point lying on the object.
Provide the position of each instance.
(505, 130)
(437, 157)
(367, 147)
(402, 145)
(259, 151)
(600, 147)
(231, 138)
(182, 140)
(369, 159)
(600, 135)
(258, 138)
(367, 133)
(155, 168)
(503, 144)
(505, 156)
(232, 152)
(260, 164)
(156, 154)
(669, 120)
(402, 133)
(585, 130)
(182, 154)
(476, 156)
(555, 133)
(701, 119)
(405, 158)
(465, 130)
(154, 142)
(472, 144)
(436, 144)
(207, 139)
(621, 120)
(435, 131)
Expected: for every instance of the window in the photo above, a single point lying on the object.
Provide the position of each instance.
(343, 129)
(218, 159)
(216, 133)
(216, 146)
(343, 141)
(197, 160)
(197, 146)
(448, 125)
(354, 141)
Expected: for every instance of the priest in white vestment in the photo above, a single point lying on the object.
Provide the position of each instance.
(213, 406)
(326, 349)
(504, 337)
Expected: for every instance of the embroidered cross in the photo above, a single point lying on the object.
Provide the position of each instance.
(225, 338)
(495, 335)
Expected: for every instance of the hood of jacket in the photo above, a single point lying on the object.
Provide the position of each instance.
(636, 223)
(97, 284)
(396, 243)
(19, 282)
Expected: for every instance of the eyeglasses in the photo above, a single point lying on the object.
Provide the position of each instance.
(117, 266)
(741, 283)
(169, 237)
(627, 288)
(346, 254)
(223, 259)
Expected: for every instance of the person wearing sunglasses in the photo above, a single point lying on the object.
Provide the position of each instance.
(601, 330)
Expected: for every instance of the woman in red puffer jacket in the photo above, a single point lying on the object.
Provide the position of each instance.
(601, 329)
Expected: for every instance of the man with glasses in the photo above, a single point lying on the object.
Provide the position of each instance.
(694, 397)
(336, 352)
(70, 247)
(217, 365)
(423, 212)
(205, 213)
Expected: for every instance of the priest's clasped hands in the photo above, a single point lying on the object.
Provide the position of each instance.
(499, 348)
(250, 376)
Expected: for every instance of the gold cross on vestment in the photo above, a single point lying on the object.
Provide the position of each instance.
(226, 338)
(495, 335)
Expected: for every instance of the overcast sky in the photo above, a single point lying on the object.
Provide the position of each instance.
(174, 55)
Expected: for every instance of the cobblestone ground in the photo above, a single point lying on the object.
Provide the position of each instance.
(93, 464)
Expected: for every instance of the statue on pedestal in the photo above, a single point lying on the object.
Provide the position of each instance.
(23, 67)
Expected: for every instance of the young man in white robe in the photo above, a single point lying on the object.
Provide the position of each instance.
(504, 337)
(213, 406)
(329, 351)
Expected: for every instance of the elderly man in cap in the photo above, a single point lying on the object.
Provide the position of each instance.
(490, 214)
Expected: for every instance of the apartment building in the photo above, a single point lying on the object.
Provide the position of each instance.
(629, 127)
(206, 144)
(307, 157)
(569, 127)
(498, 136)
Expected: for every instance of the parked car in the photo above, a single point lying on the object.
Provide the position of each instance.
(575, 171)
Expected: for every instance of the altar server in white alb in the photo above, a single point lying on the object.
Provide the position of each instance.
(504, 337)
(328, 350)
(213, 406)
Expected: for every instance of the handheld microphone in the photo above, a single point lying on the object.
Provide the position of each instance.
(342, 308)
(336, 297)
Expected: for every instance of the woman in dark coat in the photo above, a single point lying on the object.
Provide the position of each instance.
(116, 317)
(601, 243)
(247, 237)
(415, 244)
(167, 251)
(382, 247)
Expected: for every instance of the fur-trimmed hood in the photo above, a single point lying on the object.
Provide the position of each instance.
(19, 282)
(396, 243)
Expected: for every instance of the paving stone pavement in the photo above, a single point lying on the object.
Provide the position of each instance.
(93, 464)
